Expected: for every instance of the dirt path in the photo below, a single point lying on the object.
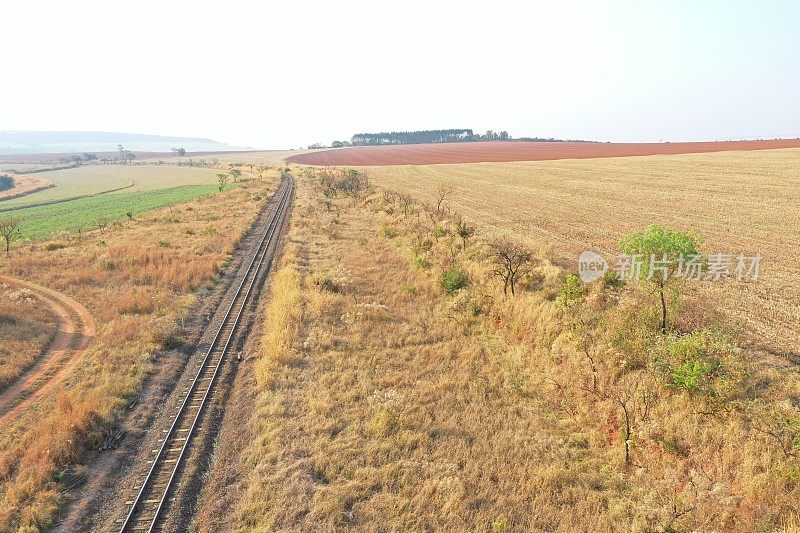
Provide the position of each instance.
(75, 331)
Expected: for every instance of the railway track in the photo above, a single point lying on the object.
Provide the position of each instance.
(146, 511)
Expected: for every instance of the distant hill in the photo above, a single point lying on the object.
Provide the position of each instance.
(50, 142)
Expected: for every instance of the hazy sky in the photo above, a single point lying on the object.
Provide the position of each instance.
(286, 74)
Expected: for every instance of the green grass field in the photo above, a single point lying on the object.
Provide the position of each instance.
(45, 221)
(93, 179)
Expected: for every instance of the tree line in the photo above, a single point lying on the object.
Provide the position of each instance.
(421, 137)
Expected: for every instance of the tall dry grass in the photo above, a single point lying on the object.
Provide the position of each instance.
(26, 327)
(404, 408)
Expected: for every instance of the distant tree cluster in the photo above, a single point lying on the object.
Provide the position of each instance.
(6, 182)
(78, 159)
(126, 156)
(180, 152)
(434, 136)
(412, 137)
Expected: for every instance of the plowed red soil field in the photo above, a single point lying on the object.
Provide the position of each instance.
(496, 152)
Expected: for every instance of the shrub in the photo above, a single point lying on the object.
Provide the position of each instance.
(421, 262)
(689, 375)
(453, 280)
(388, 232)
(571, 290)
(52, 246)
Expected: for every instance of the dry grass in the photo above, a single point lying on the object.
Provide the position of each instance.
(26, 326)
(400, 408)
(24, 185)
(737, 201)
(137, 278)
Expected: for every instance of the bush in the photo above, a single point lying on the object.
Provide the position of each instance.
(388, 232)
(571, 290)
(421, 262)
(453, 280)
(6, 182)
(52, 246)
(689, 375)
(705, 362)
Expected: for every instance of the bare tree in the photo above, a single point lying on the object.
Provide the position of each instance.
(9, 227)
(511, 260)
(80, 227)
(407, 201)
(102, 223)
(443, 191)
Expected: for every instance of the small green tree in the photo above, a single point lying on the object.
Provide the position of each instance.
(571, 290)
(236, 173)
(656, 255)
(222, 180)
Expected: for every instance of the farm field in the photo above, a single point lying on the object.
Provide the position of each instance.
(736, 201)
(94, 179)
(24, 185)
(478, 152)
(47, 220)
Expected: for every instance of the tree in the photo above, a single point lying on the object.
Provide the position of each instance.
(511, 259)
(9, 228)
(125, 155)
(665, 251)
(222, 180)
(443, 191)
(407, 201)
(6, 182)
(80, 227)
(179, 152)
(236, 174)
(102, 223)
(464, 231)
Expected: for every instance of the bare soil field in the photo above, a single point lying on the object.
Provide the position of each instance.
(736, 201)
(487, 152)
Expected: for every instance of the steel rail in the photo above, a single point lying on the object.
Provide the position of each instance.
(260, 254)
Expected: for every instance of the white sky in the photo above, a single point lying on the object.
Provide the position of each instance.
(285, 74)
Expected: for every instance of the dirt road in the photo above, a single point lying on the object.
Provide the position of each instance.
(75, 332)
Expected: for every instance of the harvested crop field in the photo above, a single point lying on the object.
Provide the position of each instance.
(738, 202)
(25, 185)
(497, 152)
